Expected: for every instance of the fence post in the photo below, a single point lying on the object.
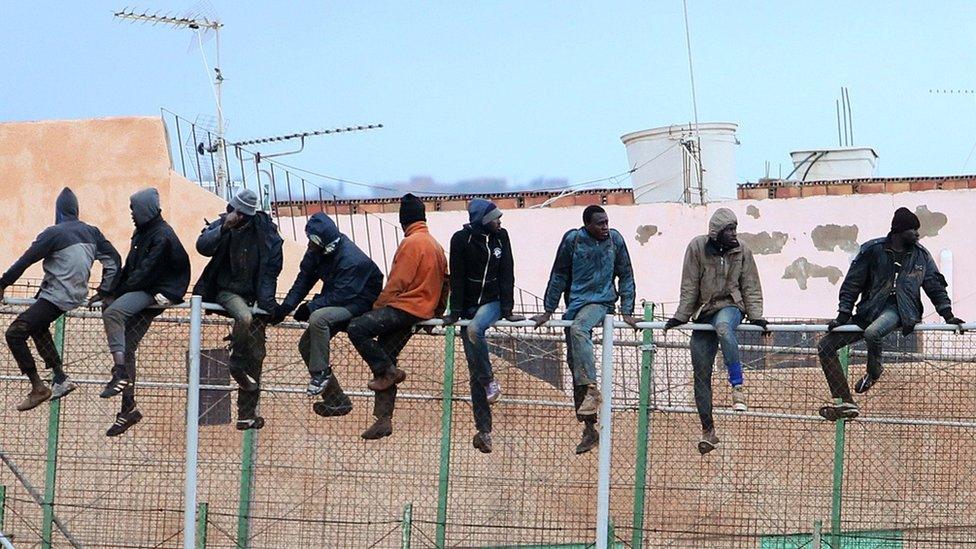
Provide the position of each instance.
(643, 423)
(51, 466)
(407, 525)
(606, 432)
(247, 482)
(192, 423)
(202, 510)
(446, 416)
(840, 428)
(3, 504)
(817, 533)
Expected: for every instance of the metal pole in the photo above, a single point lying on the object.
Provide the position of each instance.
(836, 499)
(5, 541)
(606, 432)
(643, 424)
(51, 468)
(446, 415)
(202, 525)
(247, 481)
(817, 530)
(192, 424)
(407, 526)
(3, 504)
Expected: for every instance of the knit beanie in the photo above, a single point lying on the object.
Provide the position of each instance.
(411, 210)
(904, 220)
(245, 202)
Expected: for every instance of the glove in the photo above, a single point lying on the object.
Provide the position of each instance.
(953, 319)
(278, 315)
(761, 322)
(450, 319)
(514, 317)
(672, 322)
(541, 319)
(302, 313)
(841, 320)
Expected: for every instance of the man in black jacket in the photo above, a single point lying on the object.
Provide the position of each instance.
(351, 282)
(156, 273)
(887, 275)
(482, 289)
(245, 252)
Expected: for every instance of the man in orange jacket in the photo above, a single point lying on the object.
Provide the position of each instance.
(415, 291)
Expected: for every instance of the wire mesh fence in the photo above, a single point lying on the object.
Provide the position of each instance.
(901, 475)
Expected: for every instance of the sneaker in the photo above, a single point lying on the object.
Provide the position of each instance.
(317, 384)
(865, 383)
(392, 376)
(844, 410)
(591, 402)
(124, 420)
(35, 398)
(59, 390)
(493, 390)
(482, 441)
(739, 399)
(116, 385)
(382, 427)
(253, 423)
(589, 440)
(708, 442)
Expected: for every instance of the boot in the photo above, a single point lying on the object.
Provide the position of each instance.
(591, 402)
(383, 405)
(482, 441)
(590, 439)
(708, 441)
(37, 396)
(334, 401)
(391, 377)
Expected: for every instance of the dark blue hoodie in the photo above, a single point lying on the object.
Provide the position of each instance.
(350, 279)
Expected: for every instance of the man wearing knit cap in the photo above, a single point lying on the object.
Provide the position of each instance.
(885, 279)
(416, 290)
(245, 259)
(719, 285)
(482, 289)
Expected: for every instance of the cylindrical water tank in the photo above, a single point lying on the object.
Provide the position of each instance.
(665, 163)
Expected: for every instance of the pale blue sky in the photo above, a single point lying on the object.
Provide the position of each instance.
(521, 89)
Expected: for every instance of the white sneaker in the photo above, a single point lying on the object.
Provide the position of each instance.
(739, 399)
(62, 389)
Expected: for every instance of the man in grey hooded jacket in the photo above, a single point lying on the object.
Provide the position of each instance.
(68, 250)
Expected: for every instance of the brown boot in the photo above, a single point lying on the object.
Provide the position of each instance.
(590, 439)
(382, 427)
(383, 405)
(391, 377)
(37, 396)
(591, 402)
(708, 441)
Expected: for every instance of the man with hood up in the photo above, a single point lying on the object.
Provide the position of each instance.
(416, 290)
(68, 250)
(351, 282)
(719, 284)
(482, 289)
(885, 279)
(245, 259)
(156, 273)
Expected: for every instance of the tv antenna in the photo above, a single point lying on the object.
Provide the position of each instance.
(202, 26)
(845, 119)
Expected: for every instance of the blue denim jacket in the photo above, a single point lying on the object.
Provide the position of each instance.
(585, 271)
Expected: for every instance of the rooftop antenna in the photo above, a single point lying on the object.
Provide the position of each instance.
(958, 91)
(202, 26)
(845, 119)
(695, 151)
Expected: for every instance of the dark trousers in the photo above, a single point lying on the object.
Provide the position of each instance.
(34, 323)
(129, 312)
(247, 350)
(886, 323)
(380, 335)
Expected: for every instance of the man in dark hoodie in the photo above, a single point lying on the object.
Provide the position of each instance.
(886, 279)
(156, 274)
(351, 282)
(68, 249)
(719, 285)
(482, 289)
(245, 251)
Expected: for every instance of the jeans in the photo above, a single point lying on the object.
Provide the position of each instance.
(34, 323)
(579, 351)
(314, 344)
(479, 363)
(126, 322)
(247, 350)
(704, 345)
(873, 335)
(380, 335)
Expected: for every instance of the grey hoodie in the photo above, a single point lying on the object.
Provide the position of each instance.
(68, 249)
(145, 206)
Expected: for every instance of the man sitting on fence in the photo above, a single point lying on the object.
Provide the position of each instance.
(156, 274)
(588, 261)
(719, 283)
(416, 290)
(351, 282)
(245, 252)
(68, 249)
(887, 275)
(482, 289)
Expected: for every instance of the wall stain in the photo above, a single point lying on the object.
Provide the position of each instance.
(752, 211)
(843, 237)
(764, 243)
(645, 232)
(801, 270)
(932, 222)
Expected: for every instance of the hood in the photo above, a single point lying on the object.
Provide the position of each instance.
(145, 206)
(722, 218)
(66, 206)
(322, 228)
(477, 210)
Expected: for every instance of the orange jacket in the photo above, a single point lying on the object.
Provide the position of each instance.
(418, 282)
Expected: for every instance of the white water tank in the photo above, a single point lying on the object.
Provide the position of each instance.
(834, 164)
(666, 159)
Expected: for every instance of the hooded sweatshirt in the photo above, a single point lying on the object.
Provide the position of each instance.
(482, 266)
(713, 277)
(350, 279)
(157, 262)
(418, 282)
(68, 249)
